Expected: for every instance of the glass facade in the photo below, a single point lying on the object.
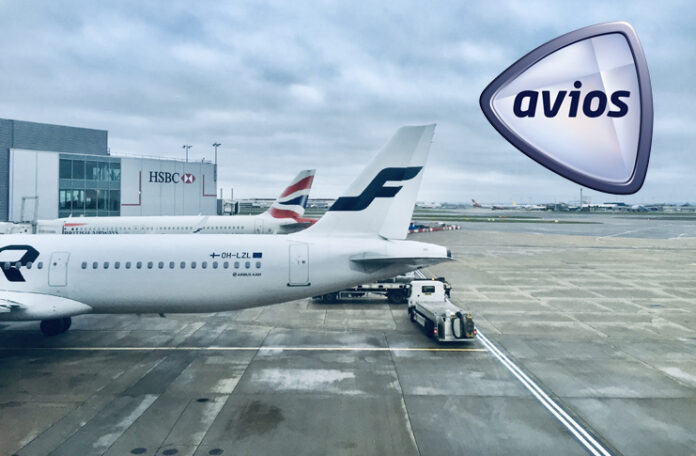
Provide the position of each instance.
(90, 185)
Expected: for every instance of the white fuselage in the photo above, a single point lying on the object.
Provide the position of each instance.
(192, 273)
(184, 224)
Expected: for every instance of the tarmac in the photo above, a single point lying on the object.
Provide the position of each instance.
(603, 323)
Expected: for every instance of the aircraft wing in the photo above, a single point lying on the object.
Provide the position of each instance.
(36, 306)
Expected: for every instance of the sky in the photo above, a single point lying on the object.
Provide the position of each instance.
(285, 86)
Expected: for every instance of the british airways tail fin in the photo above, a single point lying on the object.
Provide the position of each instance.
(381, 200)
(293, 201)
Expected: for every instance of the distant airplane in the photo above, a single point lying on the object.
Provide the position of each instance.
(360, 239)
(479, 205)
(500, 207)
(284, 216)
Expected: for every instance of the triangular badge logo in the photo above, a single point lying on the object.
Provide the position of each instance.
(581, 105)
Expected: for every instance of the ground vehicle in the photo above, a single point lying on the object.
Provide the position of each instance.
(429, 306)
(396, 290)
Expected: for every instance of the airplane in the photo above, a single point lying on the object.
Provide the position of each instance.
(284, 216)
(514, 206)
(362, 238)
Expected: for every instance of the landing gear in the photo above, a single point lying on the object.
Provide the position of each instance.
(56, 326)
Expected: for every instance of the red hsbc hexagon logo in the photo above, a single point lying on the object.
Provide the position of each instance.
(188, 178)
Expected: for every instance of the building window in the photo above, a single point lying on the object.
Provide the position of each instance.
(115, 171)
(89, 187)
(115, 200)
(90, 199)
(65, 169)
(78, 169)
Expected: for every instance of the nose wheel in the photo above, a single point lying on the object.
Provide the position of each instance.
(56, 326)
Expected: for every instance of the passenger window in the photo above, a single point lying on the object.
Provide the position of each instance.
(40, 265)
(215, 264)
(258, 265)
(128, 264)
(236, 264)
(106, 265)
(193, 265)
(182, 265)
(95, 265)
(160, 265)
(226, 264)
(29, 265)
(171, 265)
(84, 265)
(117, 264)
(139, 264)
(204, 264)
(149, 264)
(247, 264)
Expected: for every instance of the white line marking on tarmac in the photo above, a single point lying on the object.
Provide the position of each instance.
(369, 349)
(589, 442)
(584, 437)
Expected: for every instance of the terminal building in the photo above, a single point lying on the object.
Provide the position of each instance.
(50, 171)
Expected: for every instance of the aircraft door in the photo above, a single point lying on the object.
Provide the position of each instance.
(299, 265)
(58, 269)
(258, 225)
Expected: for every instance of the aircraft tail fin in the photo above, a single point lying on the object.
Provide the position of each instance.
(381, 200)
(293, 201)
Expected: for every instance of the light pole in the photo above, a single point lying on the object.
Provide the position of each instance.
(216, 145)
(186, 147)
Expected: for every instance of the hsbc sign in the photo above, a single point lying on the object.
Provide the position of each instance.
(165, 177)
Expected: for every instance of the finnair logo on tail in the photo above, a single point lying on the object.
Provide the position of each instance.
(376, 189)
(11, 268)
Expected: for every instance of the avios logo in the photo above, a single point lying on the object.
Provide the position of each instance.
(581, 105)
(552, 106)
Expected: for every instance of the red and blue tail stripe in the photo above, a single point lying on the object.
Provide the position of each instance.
(293, 201)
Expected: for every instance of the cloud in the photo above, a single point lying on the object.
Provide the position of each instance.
(286, 86)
